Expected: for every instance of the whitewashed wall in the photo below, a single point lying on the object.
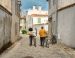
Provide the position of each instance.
(66, 21)
(66, 26)
(63, 3)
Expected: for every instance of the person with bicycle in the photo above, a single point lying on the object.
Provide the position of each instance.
(42, 33)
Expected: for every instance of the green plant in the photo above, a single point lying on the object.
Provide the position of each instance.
(24, 32)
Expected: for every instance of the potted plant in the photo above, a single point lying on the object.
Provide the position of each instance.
(24, 32)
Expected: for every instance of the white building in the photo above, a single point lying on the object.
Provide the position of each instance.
(37, 18)
(62, 20)
(22, 23)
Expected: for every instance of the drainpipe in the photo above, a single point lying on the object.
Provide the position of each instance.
(49, 22)
(57, 19)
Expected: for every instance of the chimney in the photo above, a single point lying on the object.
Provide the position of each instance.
(39, 8)
(34, 8)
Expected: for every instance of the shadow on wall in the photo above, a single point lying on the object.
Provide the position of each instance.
(5, 47)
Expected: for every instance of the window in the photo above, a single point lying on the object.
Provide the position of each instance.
(39, 20)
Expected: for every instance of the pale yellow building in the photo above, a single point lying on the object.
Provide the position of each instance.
(36, 18)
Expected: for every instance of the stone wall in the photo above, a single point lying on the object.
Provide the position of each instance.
(15, 22)
(5, 28)
(6, 4)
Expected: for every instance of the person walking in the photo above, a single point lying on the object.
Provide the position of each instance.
(42, 33)
(32, 37)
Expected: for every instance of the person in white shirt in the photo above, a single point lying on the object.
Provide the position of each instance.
(32, 36)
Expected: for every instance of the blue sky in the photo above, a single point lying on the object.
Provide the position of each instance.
(28, 4)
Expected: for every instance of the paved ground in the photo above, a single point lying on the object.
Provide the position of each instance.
(22, 50)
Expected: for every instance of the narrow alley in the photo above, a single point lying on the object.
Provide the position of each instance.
(21, 49)
(22, 21)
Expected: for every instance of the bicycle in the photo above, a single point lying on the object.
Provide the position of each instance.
(47, 41)
(53, 40)
(34, 40)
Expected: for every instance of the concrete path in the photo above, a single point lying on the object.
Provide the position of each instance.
(22, 50)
